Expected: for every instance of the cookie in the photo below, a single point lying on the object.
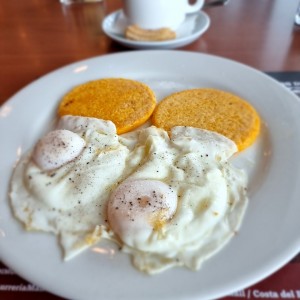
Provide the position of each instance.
(135, 33)
(210, 109)
(127, 103)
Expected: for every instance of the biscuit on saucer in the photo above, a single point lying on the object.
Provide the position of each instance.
(136, 33)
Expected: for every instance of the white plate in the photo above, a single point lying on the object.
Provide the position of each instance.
(192, 28)
(269, 236)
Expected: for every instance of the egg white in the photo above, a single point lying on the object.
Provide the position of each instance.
(211, 197)
(72, 201)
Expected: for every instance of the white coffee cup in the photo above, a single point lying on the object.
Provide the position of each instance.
(154, 14)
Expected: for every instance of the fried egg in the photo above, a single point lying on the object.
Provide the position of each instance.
(183, 203)
(166, 200)
(61, 186)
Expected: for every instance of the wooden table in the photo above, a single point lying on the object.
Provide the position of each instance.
(39, 36)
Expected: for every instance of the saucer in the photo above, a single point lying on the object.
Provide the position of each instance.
(192, 28)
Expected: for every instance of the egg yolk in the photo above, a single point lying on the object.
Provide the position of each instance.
(57, 148)
(138, 207)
